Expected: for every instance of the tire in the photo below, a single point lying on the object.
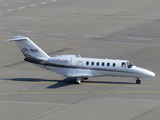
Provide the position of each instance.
(138, 81)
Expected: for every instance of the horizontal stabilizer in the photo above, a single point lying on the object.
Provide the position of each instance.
(29, 48)
(17, 38)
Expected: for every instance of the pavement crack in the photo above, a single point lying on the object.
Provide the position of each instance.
(145, 113)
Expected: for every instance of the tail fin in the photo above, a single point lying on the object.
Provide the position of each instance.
(29, 48)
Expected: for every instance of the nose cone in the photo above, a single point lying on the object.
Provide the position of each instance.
(146, 73)
(150, 73)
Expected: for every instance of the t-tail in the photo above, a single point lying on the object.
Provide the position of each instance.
(29, 49)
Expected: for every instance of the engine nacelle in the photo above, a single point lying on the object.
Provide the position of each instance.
(62, 59)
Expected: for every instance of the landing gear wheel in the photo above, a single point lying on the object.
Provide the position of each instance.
(78, 80)
(138, 81)
(85, 78)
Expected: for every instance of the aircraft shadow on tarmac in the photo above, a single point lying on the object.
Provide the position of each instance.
(61, 83)
(58, 83)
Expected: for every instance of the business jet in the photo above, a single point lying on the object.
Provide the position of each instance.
(78, 67)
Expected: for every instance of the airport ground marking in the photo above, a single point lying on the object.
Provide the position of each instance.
(43, 3)
(93, 84)
(127, 92)
(24, 7)
(120, 43)
(33, 5)
(21, 7)
(98, 92)
(88, 84)
(24, 30)
(36, 93)
(95, 36)
(6, 5)
(40, 82)
(10, 10)
(55, 34)
(21, 1)
(53, 0)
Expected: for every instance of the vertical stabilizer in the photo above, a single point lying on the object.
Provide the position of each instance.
(29, 48)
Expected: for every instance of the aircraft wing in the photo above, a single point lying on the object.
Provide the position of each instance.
(79, 75)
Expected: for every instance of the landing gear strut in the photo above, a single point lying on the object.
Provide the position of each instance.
(138, 81)
(78, 80)
(85, 78)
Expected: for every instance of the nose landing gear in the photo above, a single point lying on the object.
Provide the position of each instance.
(138, 81)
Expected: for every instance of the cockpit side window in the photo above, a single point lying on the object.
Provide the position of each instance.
(124, 64)
(127, 64)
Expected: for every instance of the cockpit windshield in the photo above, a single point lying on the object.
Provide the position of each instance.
(130, 64)
(127, 64)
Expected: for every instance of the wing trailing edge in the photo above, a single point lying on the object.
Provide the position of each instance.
(80, 75)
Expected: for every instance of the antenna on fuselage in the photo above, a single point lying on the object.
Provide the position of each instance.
(79, 56)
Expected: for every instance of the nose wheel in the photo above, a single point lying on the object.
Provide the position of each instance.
(138, 81)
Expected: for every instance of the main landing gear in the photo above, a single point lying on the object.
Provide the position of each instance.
(78, 80)
(138, 81)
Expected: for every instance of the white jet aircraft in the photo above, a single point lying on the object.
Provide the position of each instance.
(77, 66)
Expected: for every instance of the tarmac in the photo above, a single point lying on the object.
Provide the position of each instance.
(121, 29)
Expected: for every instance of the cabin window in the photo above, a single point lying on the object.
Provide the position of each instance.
(97, 63)
(114, 64)
(87, 63)
(108, 64)
(102, 63)
(92, 63)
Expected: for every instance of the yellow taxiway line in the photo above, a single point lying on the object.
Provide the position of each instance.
(128, 92)
(36, 93)
(91, 84)
(116, 85)
(43, 93)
